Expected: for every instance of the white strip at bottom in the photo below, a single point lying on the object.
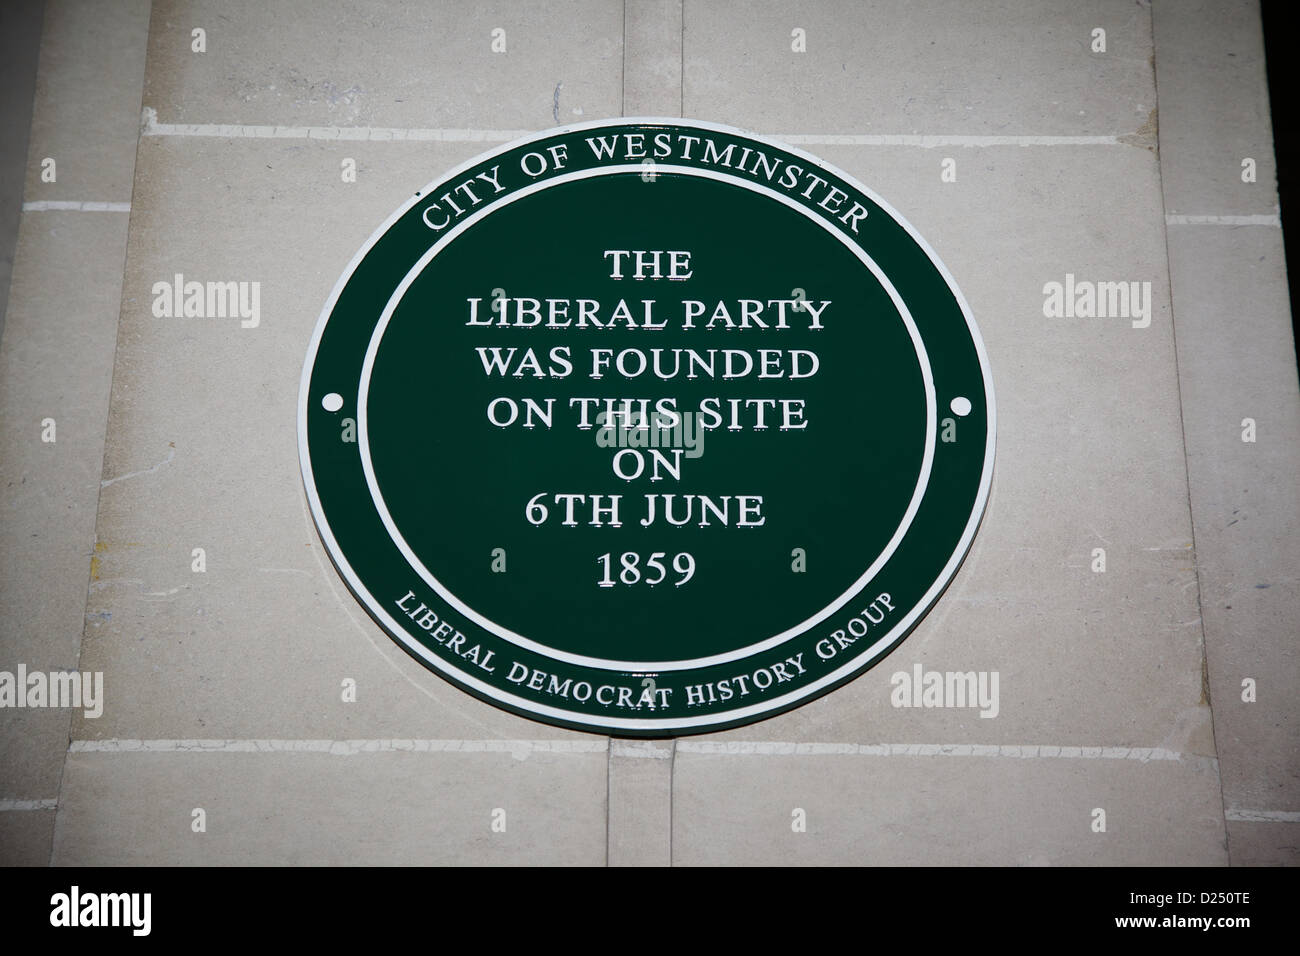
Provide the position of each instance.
(1272, 219)
(629, 748)
(1263, 816)
(339, 748)
(1020, 752)
(50, 803)
(641, 749)
(67, 205)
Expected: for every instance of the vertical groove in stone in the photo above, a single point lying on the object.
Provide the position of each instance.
(640, 803)
(652, 58)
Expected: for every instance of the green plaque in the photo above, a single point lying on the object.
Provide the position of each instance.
(646, 427)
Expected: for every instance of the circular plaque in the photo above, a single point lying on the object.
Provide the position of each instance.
(646, 427)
